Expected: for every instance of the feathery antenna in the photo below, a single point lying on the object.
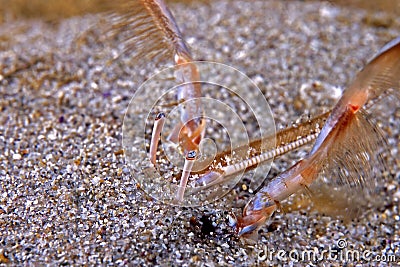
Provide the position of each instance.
(146, 28)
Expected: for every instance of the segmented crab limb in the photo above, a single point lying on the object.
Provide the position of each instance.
(215, 177)
(267, 200)
(346, 134)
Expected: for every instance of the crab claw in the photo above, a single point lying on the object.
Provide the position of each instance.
(253, 219)
(248, 224)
